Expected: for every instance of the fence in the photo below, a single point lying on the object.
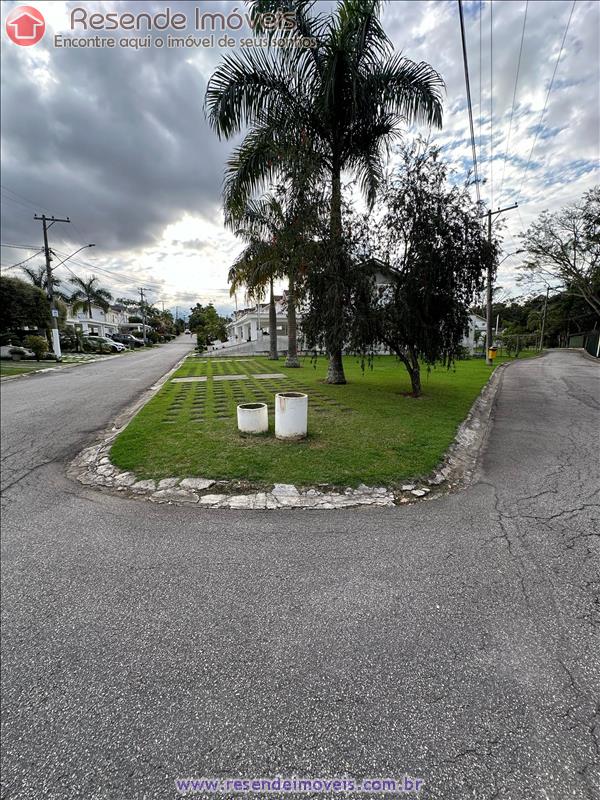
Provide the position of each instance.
(590, 341)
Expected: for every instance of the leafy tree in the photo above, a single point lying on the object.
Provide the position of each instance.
(563, 249)
(336, 105)
(428, 245)
(208, 326)
(88, 294)
(127, 302)
(22, 305)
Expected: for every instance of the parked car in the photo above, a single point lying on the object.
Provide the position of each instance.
(102, 343)
(127, 339)
(15, 352)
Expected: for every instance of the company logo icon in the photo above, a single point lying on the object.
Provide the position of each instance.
(25, 25)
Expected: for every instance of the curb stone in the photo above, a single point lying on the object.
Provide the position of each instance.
(92, 467)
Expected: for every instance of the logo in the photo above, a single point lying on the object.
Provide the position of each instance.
(25, 25)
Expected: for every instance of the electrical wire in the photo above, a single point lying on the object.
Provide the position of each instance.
(22, 246)
(14, 266)
(120, 277)
(546, 101)
(491, 105)
(480, 74)
(469, 104)
(512, 111)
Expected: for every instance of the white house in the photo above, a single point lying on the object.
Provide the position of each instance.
(248, 331)
(100, 323)
(476, 333)
(105, 323)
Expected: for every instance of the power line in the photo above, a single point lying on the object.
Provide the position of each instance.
(22, 197)
(14, 266)
(480, 75)
(118, 277)
(491, 105)
(547, 97)
(22, 246)
(468, 86)
(512, 111)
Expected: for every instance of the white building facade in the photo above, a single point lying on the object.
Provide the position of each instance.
(105, 323)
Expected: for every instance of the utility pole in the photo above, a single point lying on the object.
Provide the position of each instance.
(143, 310)
(490, 274)
(49, 289)
(544, 319)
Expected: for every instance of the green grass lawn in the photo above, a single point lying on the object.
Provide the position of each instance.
(8, 367)
(368, 431)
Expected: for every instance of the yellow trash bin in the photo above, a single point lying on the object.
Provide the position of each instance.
(492, 353)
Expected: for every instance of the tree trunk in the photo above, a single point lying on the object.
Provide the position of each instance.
(335, 335)
(411, 362)
(273, 355)
(335, 369)
(292, 356)
(415, 379)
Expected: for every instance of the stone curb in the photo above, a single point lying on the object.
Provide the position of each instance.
(92, 467)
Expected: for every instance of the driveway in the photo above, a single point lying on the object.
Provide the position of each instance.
(455, 640)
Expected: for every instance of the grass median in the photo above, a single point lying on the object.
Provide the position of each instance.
(367, 431)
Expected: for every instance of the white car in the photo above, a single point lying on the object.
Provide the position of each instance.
(5, 351)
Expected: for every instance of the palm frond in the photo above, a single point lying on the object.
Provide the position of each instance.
(412, 90)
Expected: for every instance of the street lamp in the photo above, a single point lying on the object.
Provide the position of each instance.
(85, 246)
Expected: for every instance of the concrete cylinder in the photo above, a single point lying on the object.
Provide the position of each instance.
(253, 418)
(291, 415)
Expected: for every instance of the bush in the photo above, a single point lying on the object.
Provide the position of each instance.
(37, 344)
(462, 353)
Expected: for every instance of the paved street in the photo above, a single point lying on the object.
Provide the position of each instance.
(455, 640)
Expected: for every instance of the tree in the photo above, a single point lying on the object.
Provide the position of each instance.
(23, 306)
(336, 105)
(564, 249)
(256, 269)
(428, 245)
(39, 278)
(38, 345)
(208, 326)
(127, 302)
(87, 294)
(278, 228)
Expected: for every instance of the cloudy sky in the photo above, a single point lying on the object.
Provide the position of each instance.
(117, 139)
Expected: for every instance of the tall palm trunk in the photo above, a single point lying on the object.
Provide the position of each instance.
(334, 338)
(292, 356)
(273, 355)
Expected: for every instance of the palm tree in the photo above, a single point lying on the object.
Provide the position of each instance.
(340, 104)
(279, 227)
(255, 269)
(87, 294)
(39, 278)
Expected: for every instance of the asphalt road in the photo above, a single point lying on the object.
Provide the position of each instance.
(455, 640)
